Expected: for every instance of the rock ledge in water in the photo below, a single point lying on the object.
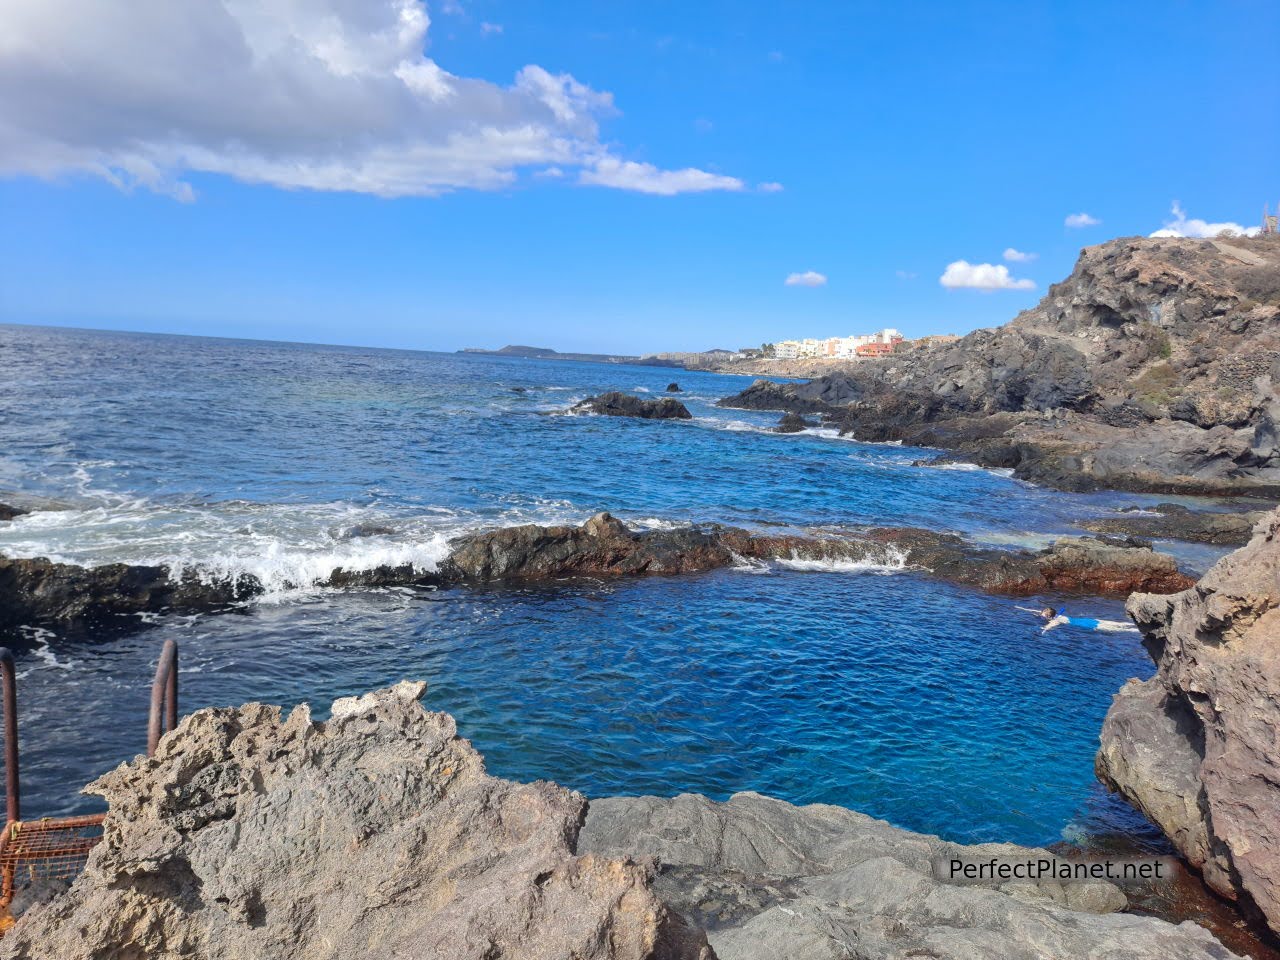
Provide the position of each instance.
(376, 834)
(618, 404)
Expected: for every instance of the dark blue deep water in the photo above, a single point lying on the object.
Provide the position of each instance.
(934, 707)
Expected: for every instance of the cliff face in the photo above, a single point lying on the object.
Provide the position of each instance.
(1153, 366)
(1197, 747)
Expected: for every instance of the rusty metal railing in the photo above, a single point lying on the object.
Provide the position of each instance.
(56, 848)
(164, 696)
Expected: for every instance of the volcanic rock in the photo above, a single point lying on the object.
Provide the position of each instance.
(792, 423)
(1195, 747)
(376, 834)
(673, 387)
(618, 404)
(38, 590)
(772, 881)
(1153, 367)
(1173, 521)
(9, 513)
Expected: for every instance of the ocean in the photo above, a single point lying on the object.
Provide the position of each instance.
(873, 687)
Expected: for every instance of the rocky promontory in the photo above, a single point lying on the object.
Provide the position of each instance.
(39, 590)
(619, 404)
(8, 512)
(1153, 367)
(377, 833)
(1196, 748)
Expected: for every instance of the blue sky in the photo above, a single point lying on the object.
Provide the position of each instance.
(387, 173)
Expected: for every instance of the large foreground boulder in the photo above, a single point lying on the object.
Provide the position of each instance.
(1196, 748)
(376, 834)
(619, 404)
(772, 881)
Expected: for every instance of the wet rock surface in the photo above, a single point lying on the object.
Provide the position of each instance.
(673, 387)
(1195, 747)
(1153, 367)
(33, 591)
(770, 880)
(36, 590)
(618, 404)
(8, 512)
(792, 423)
(1173, 521)
(376, 834)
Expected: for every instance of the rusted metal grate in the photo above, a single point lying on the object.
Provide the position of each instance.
(58, 848)
(51, 849)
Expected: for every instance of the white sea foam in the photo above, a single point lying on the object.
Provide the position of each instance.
(749, 565)
(971, 468)
(640, 389)
(891, 560)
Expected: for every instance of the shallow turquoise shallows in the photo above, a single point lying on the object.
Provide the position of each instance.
(871, 686)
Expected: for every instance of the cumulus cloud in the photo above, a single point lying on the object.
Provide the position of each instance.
(1077, 220)
(299, 94)
(981, 276)
(810, 278)
(1017, 256)
(1180, 226)
(770, 186)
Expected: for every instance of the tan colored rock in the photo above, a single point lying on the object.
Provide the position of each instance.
(1197, 747)
(376, 834)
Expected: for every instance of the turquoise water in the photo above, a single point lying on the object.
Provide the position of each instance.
(934, 707)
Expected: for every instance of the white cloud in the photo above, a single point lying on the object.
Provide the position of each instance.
(1077, 220)
(299, 94)
(646, 178)
(1180, 226)
(770, 186)
(1017, 256)
(905, 274)
(486, 27)
(981, 276)
(810, 278)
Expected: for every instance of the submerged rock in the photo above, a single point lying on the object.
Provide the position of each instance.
(1176, 522)
(618, 404)
(376, 834)
(1195, 747)
(10, 513)
(772, 881)
(792, 423)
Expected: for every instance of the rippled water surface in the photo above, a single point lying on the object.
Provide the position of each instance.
(937, 708)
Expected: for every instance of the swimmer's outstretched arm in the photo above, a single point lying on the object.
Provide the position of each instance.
(1055, 622)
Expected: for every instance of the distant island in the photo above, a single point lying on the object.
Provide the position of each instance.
(546, 353)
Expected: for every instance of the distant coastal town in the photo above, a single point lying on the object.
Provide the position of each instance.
(780, 357)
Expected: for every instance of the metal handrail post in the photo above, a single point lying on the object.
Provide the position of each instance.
(12, 788)
(164, 696)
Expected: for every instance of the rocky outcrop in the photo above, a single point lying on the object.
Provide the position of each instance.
(792, 423)
(11, 513)
(673, 387)
(36, 590)
(375, 834)
(618, 404)
(1195, 747)
(1172, 521)
(771, 881)
(1152, 367)
(32, 591)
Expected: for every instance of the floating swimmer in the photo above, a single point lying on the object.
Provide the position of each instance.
(1058, 618)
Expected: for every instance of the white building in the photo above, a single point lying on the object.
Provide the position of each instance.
(841, 348)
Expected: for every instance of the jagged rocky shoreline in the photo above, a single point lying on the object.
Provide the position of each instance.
(1195, 748)
(1153, 367)
(40, 590)
(378, 834)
